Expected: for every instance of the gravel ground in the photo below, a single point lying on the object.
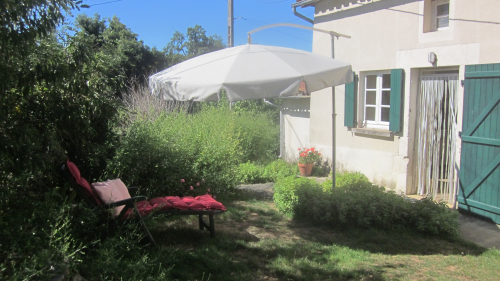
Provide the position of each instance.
(261, 190)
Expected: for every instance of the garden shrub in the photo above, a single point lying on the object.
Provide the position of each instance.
(272, 172)
(286, 192)
(164, 142)
(156, 155)
(345, 179)
(279, 169)
(259, 137)
(251, 173)
(357, 202)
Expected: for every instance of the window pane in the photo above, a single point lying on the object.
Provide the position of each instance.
(443, 22)
(371, 97)
(385, 114)
(371, 81)
(370, 114)
(443, 10)
(386, 81)
(386, 97)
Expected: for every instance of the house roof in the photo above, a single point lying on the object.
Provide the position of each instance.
(304, 3)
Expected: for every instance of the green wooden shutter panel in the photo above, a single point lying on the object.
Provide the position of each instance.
(397, 92)
(350, 105)
(479, 192)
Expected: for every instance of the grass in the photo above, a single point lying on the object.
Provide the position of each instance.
(255, 242)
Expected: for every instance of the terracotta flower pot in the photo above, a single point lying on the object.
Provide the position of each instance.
(306, 169)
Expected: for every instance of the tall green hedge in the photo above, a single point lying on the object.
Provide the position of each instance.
(207, 145)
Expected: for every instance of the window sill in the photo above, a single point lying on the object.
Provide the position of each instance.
(373, 132)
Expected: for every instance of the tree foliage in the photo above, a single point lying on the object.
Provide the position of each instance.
(24, 21)
(194, 43)
(118, 54)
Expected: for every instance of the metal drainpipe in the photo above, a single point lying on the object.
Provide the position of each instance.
(334, 158)
(281, 126)
(301, 15)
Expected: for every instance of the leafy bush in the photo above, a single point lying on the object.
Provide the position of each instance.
(251, 173)
(279, 169)
(344, 179)
(286, 192)
(156, 155)
(259, 136)
(164, 142)
(254, 173)
(357, 202)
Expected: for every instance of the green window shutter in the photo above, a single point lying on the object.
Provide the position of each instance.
(351, 93)
(397, 95)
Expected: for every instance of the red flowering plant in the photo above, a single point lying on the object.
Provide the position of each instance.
(193, 187)
(308, 155)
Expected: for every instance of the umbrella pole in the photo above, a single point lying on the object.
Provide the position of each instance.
(334, 135)
(334, 160)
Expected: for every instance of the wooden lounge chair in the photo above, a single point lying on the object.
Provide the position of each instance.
(115, 197)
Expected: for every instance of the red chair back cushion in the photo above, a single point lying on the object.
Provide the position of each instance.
(75, 172)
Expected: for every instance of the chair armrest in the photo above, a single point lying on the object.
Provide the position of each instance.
(132, 190)
(125, 202)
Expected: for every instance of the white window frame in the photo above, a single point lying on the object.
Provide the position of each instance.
(378, 123)
(435, 17)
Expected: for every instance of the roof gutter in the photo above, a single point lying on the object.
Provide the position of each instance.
(302, 4)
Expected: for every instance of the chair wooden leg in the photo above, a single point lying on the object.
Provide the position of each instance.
(200, 221)
(212, 225)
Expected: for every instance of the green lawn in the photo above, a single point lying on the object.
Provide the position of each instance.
(255, 242)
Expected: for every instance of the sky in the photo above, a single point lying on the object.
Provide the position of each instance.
(155, 21)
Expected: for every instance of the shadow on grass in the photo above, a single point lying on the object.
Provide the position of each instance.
(236, 256)
(255, 242)
(373, 240)
(390, 242)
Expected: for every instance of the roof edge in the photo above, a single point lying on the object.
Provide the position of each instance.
(305, 3)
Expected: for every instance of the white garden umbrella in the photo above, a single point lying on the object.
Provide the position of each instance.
(249, 72)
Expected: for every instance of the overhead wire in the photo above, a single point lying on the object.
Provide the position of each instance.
(262, 23)
(109, 2)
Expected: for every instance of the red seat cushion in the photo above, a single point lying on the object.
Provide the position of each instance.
(160, 203)
(210, 203)
(214, 205)
(205, 197)
(177, 203)
(194, 204)
(143, 207)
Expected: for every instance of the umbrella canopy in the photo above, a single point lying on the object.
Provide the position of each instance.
(249, 72)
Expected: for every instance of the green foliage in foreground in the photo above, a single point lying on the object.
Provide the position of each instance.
(357, 202)
(58, 239)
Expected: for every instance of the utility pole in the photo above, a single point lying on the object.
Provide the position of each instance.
(230, 24)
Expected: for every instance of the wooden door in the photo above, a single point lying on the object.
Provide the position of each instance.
(480, 156)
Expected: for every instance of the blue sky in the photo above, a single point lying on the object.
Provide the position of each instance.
(156, 20)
